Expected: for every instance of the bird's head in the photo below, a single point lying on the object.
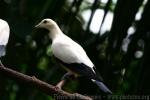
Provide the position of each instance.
(51, 26)
(46, 24)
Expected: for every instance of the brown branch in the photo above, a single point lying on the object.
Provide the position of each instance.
(43, 86)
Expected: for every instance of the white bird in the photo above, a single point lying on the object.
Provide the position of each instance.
(4, 36)
(71, 54)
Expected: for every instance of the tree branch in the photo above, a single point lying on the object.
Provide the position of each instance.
(43, 86)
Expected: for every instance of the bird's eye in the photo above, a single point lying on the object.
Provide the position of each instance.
(44, 21)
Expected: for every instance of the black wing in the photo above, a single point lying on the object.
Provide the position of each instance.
(82, 70)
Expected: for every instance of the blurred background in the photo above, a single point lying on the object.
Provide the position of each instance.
(114, 33)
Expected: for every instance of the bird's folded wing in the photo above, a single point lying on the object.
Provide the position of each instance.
(71, 53)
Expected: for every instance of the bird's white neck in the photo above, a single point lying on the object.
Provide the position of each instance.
(54, 32)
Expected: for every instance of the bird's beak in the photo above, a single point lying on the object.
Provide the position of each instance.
(37, 26)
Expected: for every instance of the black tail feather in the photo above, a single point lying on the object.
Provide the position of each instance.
(102, 86)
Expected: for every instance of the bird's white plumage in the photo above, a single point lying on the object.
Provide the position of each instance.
(69, 51)
(4, 32)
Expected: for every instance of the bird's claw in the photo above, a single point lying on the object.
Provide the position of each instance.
(60, 84)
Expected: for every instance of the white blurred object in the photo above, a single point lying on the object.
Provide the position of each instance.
(123, 71)
(131, 30)
(125, 44)
(138, 54)
(4, 36)
(96, 21)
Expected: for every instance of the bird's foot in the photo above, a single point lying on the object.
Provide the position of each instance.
(61, 84)
(56, 88)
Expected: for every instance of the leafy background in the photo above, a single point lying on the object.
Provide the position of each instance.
(120, 57)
